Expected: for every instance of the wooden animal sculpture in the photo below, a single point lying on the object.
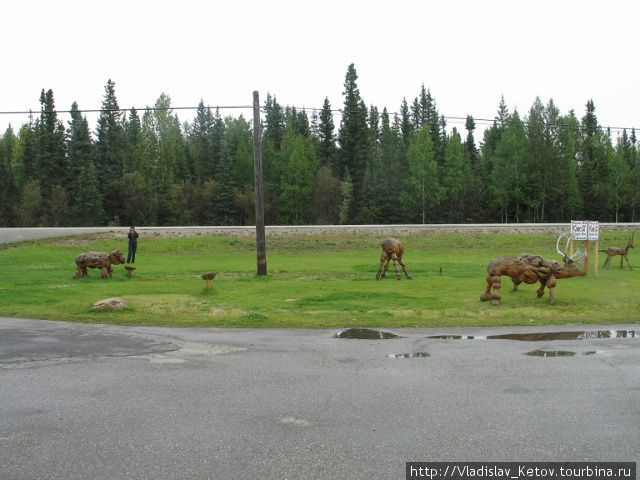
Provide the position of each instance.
(392, 249)
(101, 260)
(613, 251)
(530, 269)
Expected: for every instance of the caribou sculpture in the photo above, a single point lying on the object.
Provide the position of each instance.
(613, 251)
(531, 269)
(392, 249)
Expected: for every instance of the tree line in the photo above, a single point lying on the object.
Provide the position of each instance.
(372, 167)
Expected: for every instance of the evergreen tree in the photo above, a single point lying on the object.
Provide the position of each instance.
(298, 177)
(80, 146)
(416, 117)
(327, 142)
(134, 141)
(634, 167)
(353, 138)
(57, 206)
(8, 144)
(470, 149)
(31, 205)
(238, 149)
(423, 192)
(503, 112)
(595, 173)
(274, 122)
(170, 164)
(621, 175)
(110, 141)
(87, 207)
(81, 164)
(507, 176)
(390, 171)
(25, 162)
(185, 203)
(200, 144)
(51, 158)
(567, 202)
(346, 191)
(298, 121)
(222, 194)
(541, 156)
(455, 178)
(218, 134)
(326, 197)
(406, 126)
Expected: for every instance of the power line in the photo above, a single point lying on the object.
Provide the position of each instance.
(481, 121)
(121, 110)
(265, 109)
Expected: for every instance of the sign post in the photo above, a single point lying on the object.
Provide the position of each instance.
(261, 248)
(593, 234)
(587, 231)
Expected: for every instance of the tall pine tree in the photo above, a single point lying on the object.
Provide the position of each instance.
(353, 138)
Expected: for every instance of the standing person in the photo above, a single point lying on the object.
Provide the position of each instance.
(133, 245)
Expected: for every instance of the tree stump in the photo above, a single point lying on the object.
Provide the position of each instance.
(208, 277)
(129, 269)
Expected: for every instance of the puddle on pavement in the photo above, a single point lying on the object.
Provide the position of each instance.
(556, 353)
(365, 334)
(546, 336)
(408, 355)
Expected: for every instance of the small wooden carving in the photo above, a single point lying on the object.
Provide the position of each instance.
(613, 251)
(392, 249)
(101, 260)
(207, 277)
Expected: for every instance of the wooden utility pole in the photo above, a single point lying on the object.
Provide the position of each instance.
(261, 247)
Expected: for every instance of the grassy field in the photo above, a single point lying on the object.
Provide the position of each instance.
(313, 281)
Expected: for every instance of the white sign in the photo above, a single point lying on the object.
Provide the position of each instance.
(585, 230)
(578, 230)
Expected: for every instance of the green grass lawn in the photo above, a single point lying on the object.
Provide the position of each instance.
(313, 281)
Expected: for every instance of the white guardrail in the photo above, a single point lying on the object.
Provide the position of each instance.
(10, 235)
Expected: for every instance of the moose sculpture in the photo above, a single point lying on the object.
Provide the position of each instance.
(531, 269)
(613, 251)
(392, 249)
(101, 260)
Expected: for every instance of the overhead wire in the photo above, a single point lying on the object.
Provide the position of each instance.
(265, 109)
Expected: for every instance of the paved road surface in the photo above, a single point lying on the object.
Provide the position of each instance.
(84, 401)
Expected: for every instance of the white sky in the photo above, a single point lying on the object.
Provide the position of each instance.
(468, 53)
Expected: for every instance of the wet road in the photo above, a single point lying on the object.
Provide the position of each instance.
(96, 401)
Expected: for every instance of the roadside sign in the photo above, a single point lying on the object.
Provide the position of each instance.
(579, 230)
(585, 230)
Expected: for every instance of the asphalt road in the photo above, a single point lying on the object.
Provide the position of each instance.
(84, 401)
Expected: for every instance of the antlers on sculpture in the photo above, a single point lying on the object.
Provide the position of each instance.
(577, 257)
(613, 251)
(531, 269)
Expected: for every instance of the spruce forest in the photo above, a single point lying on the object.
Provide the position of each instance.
(350, 164)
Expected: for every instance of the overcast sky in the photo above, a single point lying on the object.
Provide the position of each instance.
(468, 53)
